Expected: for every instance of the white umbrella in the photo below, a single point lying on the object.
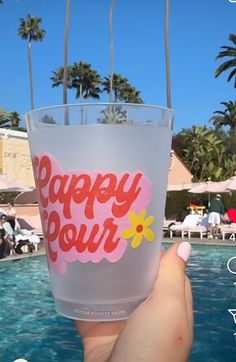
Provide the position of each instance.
(7, 185)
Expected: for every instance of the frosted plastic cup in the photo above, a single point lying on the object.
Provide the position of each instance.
(101, 174)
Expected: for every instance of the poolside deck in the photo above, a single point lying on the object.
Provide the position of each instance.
(193, 241)
(204, 241)
(39, 252)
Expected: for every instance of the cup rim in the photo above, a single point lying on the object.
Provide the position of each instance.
(144, 105)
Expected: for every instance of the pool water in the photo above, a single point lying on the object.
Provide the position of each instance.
(30, 328)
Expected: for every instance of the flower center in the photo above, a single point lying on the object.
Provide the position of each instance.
(139, 228)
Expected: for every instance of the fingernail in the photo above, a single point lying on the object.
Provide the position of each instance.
(184, 250)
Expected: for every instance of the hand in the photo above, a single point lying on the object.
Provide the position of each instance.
(159, 330)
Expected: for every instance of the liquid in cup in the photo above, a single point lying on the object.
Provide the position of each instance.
(102, 190)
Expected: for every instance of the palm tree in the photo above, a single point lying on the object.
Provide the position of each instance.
(15, 120)
(92, 85)
(48, 119)
(117, 116)
(30, 30)
(4, 114)
(66, 52)
(227, 117)
(1, 2)
(9, 119)
(79, 76)
(131, 95)
(123, 91)
(58, 77)
(82, 77)
(85, 80)
(167, 55)
(118, 84)
(111, 49)
(229, 52)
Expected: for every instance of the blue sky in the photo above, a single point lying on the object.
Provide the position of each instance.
(197, 30)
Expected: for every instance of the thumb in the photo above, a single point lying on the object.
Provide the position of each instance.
(171, 277)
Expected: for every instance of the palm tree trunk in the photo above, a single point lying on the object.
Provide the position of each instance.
(87, 109)
(81, 100)
(167, 55)
(81, 92)
(111, 49)
(233, 141)
(30, 76)
(65, 73)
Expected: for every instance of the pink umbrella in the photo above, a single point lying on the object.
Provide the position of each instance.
(218, 187)
(199, 188)
(178, 187)
(210, 187)
(7, 185)
(232, 183)
(27, 197)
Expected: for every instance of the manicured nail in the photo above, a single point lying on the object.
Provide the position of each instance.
(184, 250)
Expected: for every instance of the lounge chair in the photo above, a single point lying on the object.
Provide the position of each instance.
(229, 229)
(201, 228)
(23, 235)
(167, 224)
(32, 223)
(189, 221)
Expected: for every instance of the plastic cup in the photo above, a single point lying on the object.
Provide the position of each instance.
(101, 174)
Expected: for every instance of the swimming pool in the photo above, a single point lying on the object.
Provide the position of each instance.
(30, 328)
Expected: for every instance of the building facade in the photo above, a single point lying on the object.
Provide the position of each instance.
(179, 178)
(15, 162)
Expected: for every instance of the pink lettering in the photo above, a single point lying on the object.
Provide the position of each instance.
(69, 236)
(78, 188)
(126, 198)
(44, 174)
(53, 229)
(102, 194)
(84, 213)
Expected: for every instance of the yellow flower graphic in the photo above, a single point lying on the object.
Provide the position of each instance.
(139, 228)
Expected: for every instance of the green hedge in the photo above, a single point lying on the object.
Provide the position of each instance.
(178, 201)
(6, 197)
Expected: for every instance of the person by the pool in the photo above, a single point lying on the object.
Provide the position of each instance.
(11, 215)
(159, 330)
(9, 233)
(4, 247)
(216, 209)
